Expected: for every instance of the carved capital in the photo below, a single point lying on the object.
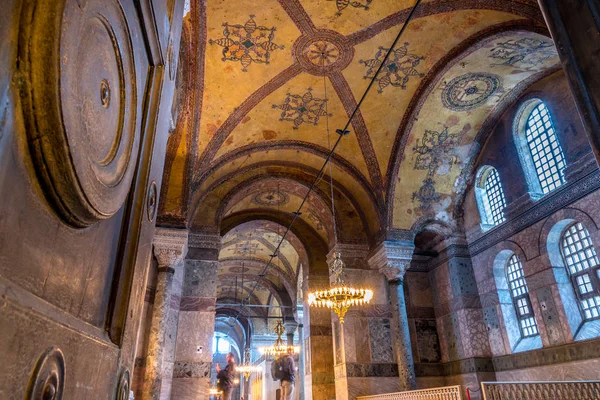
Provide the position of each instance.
(392, 258)
(170, 246)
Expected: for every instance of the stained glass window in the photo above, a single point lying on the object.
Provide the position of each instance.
(582, 264)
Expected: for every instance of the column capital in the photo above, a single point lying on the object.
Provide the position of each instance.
(290, 326)
(392, 258)
(170, 246)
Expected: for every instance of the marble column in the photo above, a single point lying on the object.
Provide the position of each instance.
(170, 247)
(392, 258)
(575, 28)
(193, 353)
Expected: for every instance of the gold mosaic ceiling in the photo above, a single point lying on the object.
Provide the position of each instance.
(264, 84)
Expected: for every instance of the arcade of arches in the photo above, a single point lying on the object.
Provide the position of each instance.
(153, 155)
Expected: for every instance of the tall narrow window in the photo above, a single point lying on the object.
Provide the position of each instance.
(490, 197)
(583, 267)
(520, 297)
(545, 149)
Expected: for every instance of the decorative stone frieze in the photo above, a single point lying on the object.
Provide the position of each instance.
(204, 241)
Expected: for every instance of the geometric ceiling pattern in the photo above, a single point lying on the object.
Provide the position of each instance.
(263, 84)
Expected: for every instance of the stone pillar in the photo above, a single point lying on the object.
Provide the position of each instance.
(392, 258)
(170, 246)
(575, 28)
(301, 377)
(319, 383)
(193, 353)
(363, 347)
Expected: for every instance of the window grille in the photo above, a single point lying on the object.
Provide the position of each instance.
(520, 297)
(493, 201)
(545, 149)
(582, 264)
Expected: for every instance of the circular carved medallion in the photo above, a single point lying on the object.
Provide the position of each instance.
(151, 201)
(123, 387)
(47, 380)
(323, 52)
(80, 105)
(271, 198)
(469, 91)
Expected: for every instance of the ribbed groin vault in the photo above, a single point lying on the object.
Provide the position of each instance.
(184, 174)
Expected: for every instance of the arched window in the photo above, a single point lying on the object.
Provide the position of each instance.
(583, 267)
(490, 197)
(540, 152)
(520, 297)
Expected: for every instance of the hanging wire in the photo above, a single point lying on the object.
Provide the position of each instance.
(342, 133)
(330, 167)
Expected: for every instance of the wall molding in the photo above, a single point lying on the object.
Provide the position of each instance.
(572, 352)
(542, 209)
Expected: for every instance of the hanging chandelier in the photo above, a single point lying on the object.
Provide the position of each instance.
(279, 347)
(339, 297)
(247, 369)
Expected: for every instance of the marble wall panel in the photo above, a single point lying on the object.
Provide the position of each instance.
(190, 388)
(200, 279)
(428, 346)
(380, 334)
(419, 289)
(474, 334)
(494, 329)
(550, 316)
(369, 386)
(462, 279)
(362, 341)
(349, 340)
(195, 329)
(451, 338)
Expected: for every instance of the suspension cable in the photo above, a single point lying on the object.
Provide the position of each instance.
(342, 132)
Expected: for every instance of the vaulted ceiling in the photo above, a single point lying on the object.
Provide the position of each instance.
(264, 84)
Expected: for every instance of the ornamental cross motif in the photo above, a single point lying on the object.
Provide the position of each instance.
(301, 109)
(343, 4)
(246, 247)
(527, 51)
(398, 68)
(436, 149)
(248, 43)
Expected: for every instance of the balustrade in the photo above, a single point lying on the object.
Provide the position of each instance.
(440, 393)
(564, 390)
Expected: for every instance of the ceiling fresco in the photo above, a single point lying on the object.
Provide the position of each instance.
(243, 259)
(265, 84)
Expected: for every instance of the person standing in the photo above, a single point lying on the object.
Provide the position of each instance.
(288, 374)
(225, 377)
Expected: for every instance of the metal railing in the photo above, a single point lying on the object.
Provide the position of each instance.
(563, 390)
(440, 393)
